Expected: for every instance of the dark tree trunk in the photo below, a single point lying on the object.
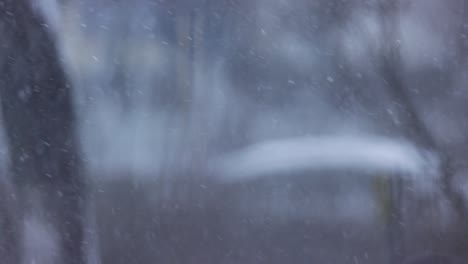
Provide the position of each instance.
(391, 68)
(40, 123)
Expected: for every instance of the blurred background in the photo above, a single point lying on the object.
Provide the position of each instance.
(271, 131)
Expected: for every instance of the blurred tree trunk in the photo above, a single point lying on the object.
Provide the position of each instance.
(9, 239)
(40, 124)
(391, 69)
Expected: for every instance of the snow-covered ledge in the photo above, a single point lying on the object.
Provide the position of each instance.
(362, 153)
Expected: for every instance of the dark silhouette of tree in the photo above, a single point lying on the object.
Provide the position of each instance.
(40, 125)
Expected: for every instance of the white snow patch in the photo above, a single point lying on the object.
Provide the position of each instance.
(328, 153)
